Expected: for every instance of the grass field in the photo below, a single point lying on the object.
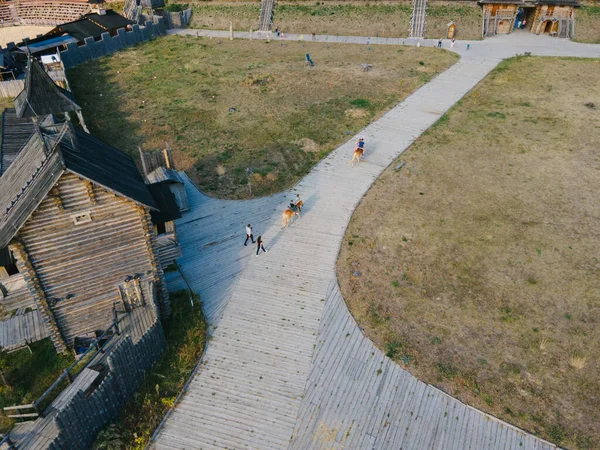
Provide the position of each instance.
(224, 106)
(347, 18)
(479, 259)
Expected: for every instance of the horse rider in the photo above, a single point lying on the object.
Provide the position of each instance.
(294, 202)
(360, 144)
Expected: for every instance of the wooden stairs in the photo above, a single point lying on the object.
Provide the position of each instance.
(267, 12)
(417, 21)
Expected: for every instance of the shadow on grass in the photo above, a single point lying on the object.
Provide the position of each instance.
(106, 119)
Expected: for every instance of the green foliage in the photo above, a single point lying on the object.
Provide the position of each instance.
(28, 375)
(446, 371)
(176, 7)
(361, 103)
(394, 349)
(496, 115)
(185, 333)
(590, 10)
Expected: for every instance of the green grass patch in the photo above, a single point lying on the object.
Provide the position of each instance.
(26, 376)
(185, 332)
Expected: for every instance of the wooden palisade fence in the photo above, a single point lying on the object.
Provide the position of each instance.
(101, 381)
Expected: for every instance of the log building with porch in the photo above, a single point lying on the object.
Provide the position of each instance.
(77, 239)
(553, 17)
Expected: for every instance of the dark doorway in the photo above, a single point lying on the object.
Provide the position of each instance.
(524, 19)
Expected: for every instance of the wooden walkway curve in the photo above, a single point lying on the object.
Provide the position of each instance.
(287, 366)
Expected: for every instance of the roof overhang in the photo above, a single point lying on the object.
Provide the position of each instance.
(46, 44)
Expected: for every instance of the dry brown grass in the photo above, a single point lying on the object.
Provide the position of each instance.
(577, 361)
(386, 19)
(488, 241)
(224, 106)
(587, 24)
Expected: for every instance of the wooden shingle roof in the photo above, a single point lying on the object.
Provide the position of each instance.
(105, 165)
(15, 133)
(41, 96)
(164, 175)
(53, 151)
(93, 25)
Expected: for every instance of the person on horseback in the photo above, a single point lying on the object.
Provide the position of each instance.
(360, 144)
(294, 202)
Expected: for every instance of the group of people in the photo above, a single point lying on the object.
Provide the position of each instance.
(295, 204)
(259, 242)
(452, 43)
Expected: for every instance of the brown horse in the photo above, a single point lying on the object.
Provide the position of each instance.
(299, 206)
(357, 155)
(286, 217)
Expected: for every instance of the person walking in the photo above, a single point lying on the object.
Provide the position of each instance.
(452, 43)
(440, 43)
(259, 245)
(249, 234)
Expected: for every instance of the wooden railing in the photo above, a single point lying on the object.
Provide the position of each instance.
(69, 374)
(5, 440)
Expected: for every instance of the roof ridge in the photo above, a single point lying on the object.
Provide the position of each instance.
(14, 201)
(41, 95)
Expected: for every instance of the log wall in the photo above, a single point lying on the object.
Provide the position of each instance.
(81, 410)
(80, 266)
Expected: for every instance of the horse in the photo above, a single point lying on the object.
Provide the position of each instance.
(286, 217)
(299, 206)
(357, 155)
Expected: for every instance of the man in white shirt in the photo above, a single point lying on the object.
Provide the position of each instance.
(249, 234)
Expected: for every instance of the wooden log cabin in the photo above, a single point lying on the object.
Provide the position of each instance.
(552, 17)
(77, 240)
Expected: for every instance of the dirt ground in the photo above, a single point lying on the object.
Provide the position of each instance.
(476, 265)
(225, 106)
(17, 34)
(346, 18)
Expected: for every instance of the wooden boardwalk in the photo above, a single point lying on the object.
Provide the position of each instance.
(287, 366)
(24, 327)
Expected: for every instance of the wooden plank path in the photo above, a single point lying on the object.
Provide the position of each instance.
(287, 366)
(22, 328)
(212, 235)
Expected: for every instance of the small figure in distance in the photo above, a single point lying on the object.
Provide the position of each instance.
(359, 151)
